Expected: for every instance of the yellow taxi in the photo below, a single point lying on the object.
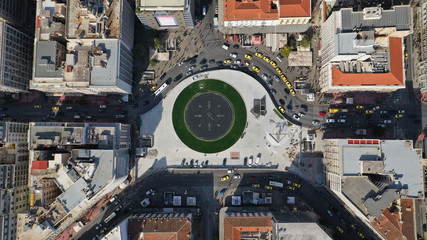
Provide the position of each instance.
(255, 185)
(268, 187)
(340, 229)
(279, 71)
(369, 111)
(227, 61)
(283, 77)
(288, 84)
(360, 107)
(38, 106)
(153, 88)
(266, 59)
(398, 116)
(296, 185)
(281, 109)
(273, 63)
(225, 178)
(360, 235)
(248, 56)
(406, 55)
(55, 108)
(293, 92)
(255, 68)
(258, 54)
(291, 188)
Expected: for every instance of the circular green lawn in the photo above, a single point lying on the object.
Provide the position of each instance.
(204, 86)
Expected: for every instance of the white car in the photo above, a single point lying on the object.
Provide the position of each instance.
(69, 108)
(296, 117)
(376, 108)
(330, 120)
(237, 61)
(251, 161)
(387, 121)
(149, 192)
(196, 77)
(341, 120)
(233, 55)
(381, 125)
(230, 171)
(264, 76)
(401, 111)
(236, 176)
(301, 114)
(275, 77)
(315, 122)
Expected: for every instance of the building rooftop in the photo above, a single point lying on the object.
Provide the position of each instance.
(73, 195)
(301, 230)
(153, 4)
(241, 227)
(357, 189)
(377, 205)
(394, 76)
(160, 228)
(93, 19)
(250, 10)
(295, 8)
(398, 16)
(105, 71)
(388, 225)
(46, 65)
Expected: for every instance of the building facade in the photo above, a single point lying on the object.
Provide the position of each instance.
(167, 14)
(18, 13)
(363, 50)
(14, 165)
(15, 59)
(81, 50)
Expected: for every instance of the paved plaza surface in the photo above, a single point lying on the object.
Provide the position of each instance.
(266, 135)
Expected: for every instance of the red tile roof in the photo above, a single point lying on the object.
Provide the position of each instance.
(394, 77)
(234, 226)
(295, 8)
(159, 228)
(249, 10)
(407, 206)
(39, 165)
(388, 226)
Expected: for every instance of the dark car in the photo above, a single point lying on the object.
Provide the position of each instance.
(183, 162)
(163, 76)
(236, 46)
(273, 91)
(204, 61)
(212, 61)
(204, 67)
(192, 163)
(177, 78)
(281, 101)
(224, 162)
(193, 61)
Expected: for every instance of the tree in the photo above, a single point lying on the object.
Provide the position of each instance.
(155, 43)
(153, 62)
(285, 51)
(305, 42)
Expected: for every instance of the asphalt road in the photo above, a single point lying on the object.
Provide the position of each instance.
(205, 184)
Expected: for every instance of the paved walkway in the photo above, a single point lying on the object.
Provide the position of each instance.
(169, 150)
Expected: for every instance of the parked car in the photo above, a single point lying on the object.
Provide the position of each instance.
(401, 111)
(264, 76)
(233, 55)
(223, 190)
(149, 192)
(225, 178)
(315, 122)
(330, 120)
(236, 176)
(296, 117)
(276, 78)
(341, 120)
(387, 121)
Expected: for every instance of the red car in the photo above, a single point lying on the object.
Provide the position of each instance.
(117, 108)
(246, 63)
(323, 114)
(252, 178)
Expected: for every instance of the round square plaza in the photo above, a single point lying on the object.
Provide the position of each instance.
(209, 116)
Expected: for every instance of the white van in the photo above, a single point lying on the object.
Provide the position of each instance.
(225, 46)
(257, 159)
(251, 161)
(204, 11)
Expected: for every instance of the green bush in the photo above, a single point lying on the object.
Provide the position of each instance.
(278, 114)
(153, 62)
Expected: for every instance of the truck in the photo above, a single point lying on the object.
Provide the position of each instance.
(160, 89)
(109, 218)
(276, 184)
(215, 21)
(145, 202)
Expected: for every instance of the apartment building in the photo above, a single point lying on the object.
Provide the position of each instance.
(15, 59)
(264, 16)
(83, 47)
(14, 190)
(72, 165)
(364, 50)
(167, 14)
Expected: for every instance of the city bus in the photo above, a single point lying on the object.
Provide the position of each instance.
(276, 184)
(109, 218)
(160, 89)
